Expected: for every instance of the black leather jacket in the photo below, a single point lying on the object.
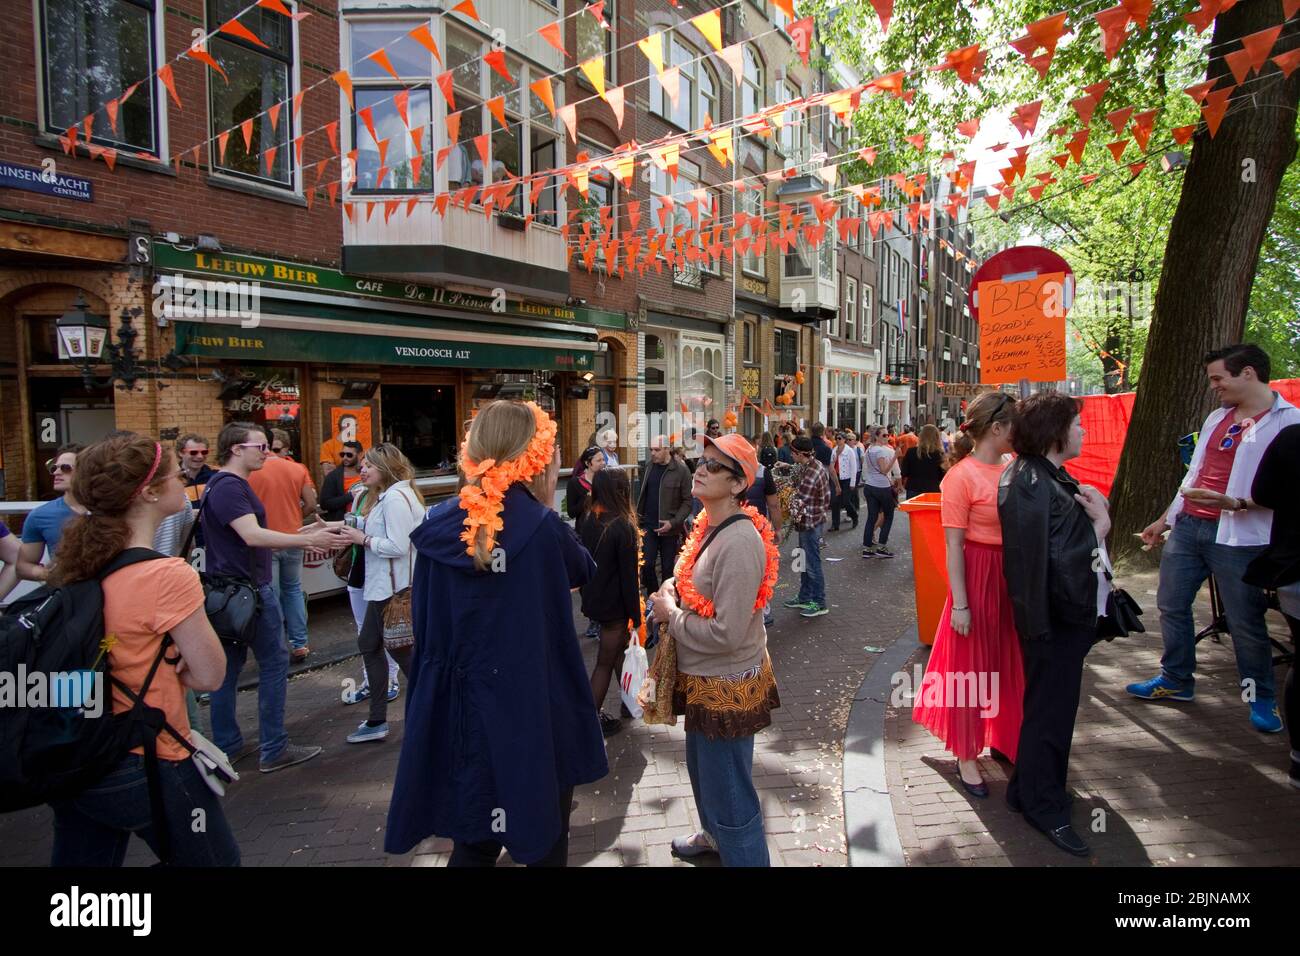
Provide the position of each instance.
(1048, 549)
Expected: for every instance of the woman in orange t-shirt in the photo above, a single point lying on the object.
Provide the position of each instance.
(128, 485)
(972, 693)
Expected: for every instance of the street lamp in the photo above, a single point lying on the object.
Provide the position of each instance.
(81, 335)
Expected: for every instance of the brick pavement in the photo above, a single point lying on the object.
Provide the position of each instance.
(332, 810)
(1173, 784)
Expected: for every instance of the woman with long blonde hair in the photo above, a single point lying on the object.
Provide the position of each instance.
(392, 508)
(500, 720)
(924, 465)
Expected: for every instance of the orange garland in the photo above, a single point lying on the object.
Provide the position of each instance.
(483, 502)
(686, 592)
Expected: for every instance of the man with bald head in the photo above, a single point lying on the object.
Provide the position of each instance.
(662, 508)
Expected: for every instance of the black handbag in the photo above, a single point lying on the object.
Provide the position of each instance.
(1123, 615)
(231, 604)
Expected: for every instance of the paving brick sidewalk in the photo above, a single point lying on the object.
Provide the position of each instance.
(332, 810)
(1172, 784)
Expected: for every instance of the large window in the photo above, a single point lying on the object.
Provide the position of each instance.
(794, 132)
(851, 309)
(681, 193)
(785, 348)
(798, 263)
(602, 190)
(751, 202)
(868, 313)
(594, 40)
(260, 78)
(751, 89)
(94, 51)
(697, 89)
(405, 168)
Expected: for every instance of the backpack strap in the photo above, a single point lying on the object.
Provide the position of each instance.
(127, 558)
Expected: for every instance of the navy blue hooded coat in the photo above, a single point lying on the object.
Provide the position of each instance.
(499, 713)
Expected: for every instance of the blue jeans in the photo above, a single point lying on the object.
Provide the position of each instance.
(272, 684)
(722, 780)
(286, 578)
(1190, 556)
(94, 827)
(812, 583)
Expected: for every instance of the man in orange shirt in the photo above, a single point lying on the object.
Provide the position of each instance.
(332, 448)
(286, 491)
(906, 441)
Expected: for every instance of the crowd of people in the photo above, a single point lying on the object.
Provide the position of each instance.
(503, 720)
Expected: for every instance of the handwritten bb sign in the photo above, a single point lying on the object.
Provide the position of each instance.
(1022, 329)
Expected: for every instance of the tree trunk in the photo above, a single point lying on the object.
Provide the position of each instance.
(1209, 265)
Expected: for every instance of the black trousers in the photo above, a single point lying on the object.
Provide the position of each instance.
(1053, 677)
(486, 853)
(846, 500)
(1291, 691)
(661, 554)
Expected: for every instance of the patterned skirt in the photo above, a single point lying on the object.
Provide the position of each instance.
(734, 705)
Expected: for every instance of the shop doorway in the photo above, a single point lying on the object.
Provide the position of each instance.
(65, 412)
(421, 421)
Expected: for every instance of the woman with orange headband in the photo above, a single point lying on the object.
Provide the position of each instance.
(500, 721)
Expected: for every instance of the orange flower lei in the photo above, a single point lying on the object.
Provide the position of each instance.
(483, 502)
(686, 592)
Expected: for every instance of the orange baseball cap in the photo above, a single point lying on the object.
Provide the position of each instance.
(739, 450)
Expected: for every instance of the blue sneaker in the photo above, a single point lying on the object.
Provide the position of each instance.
(393, 689)
(366, 733)
(1264, 716)
(1159, 688)
(357, 696)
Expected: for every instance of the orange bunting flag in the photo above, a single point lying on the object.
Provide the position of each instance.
(297, 148)
(276, 5)
(1113, 23)
(1143, 123)
(1287, 62)
(381, 57)
(1045, 178)
(1239, 63)
(481, 143)
(169, 81)
(551, 34)
(453, 127)
(893, 83)
(1258, 46)
(1084, 107)
(1183, 133)
(1076, 145)
(422, 36)
(246, 128)
(594, 71)
(720, 145)
(1008, 191)
(653, 48)
(270, 158)
(848, 226)
(734, 57)
(203, 56)
(801, 32)
(497, 60)
(347, 210)
(467, 7)
(1117, 148)
(542, 88)
(1118, 119)
(390, 207)
(1199, 91)
(382, 146)
(569, 115)
(967, 63)
(111, 109)
(320, 170)
(615, 99)
(273, 112)
(497, 107)
(1216, 105)
(665, 210)
(109, 156)
(332, 132)
(1139, 10)
(417, 163)
(1037, 191)
(440, 203)
(1203, 17)
(402, 102)
(352, 174)
(367, 116)
(1041, 62)
(410, 205)
(917, 141)
(710, 26)
(441, 156)
(445, 81)
(1048, 31)
(237, 29)
(624, 167)
(1136, 168)
(868, 155)
(671, 81)
(1289, 9)
(345, 84)
(885, 11)
(969, 128)
(222, 138)
(1025, 117)
(1097, 90)
(992, 198)
(1089, 178)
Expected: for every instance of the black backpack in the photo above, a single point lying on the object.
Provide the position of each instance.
(54, 752)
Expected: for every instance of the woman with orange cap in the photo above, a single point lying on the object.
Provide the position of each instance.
(713, 607)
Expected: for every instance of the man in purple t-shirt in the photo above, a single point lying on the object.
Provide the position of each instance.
(239, 545)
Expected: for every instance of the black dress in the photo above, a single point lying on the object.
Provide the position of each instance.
(611, 595)
(923, 473)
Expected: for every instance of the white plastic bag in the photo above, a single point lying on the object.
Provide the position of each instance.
(635, 667)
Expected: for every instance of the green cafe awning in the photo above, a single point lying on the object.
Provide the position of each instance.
(286, 338)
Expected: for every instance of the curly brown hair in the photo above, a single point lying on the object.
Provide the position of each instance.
(107, 478)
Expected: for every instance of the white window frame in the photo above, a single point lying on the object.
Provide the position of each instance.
(851, 310)
(751, 263)
(690, 86)
(422, 83)
(868, 314)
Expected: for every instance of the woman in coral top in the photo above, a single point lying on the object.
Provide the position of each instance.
(971, 695)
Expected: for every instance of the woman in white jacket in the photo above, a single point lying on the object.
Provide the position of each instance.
(393, 509)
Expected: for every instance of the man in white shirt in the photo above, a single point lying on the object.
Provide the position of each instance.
(1217, 530)
(845, 465)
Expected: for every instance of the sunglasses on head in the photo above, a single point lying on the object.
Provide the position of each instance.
(55, 469)
(713, 466)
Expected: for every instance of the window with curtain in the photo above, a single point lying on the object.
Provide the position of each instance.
(93, 51)
(260, 78)
(375, 89)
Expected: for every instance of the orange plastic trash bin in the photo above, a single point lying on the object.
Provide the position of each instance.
(929, 562)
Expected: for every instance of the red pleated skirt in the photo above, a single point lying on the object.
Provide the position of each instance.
(973, 691)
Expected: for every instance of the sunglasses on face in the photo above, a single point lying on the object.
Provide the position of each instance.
(713, 466)
(55, 469)
(348, 456)
(260, 446)
(279, 450)
(197, 452)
